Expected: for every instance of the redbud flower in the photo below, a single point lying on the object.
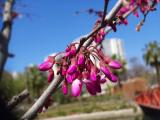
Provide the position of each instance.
(90, 87)
(98, 39)
(45, 66)
(106, 71)
(81, 59)
(72, 69)
(102, 32)
(136, 13)
(113, 78)
(51, 75)
(93, 74)
(76, 88)
(64, 88)
(69, 78)
(115, 64)
(73, 50)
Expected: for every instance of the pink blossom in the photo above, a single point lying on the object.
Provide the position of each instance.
(45, 66)
(73, 50)
(97, 86)
(90, 88)
(76, 88)
(51, 75)
(102, 32)
(81, 59)
(69, 78)
(106, 71)
(115, 64)
(72, 69)
(64, 88)
(98, 38)
(113, 78)
(93, 74)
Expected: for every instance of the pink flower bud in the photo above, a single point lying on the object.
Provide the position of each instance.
(67, 54)
(85, 74)
(98, 38)
(97, 86)
(106, 71)
(81, 59)
(68, 49)
(115, 64)
(73, 50)
(69, 78)
(72, 77)
(93, 74)
(90, 88)
(45, 66)
(51, 75)
(72, 69)
(102, 32)
(113, 78)
(76, 88)
(64, 88)
(136, 14)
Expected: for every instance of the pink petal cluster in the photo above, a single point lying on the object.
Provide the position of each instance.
(99, 36)
(78, 70)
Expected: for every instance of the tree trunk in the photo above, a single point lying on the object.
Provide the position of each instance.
(5, 34)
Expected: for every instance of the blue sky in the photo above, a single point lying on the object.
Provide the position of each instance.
(52, 24)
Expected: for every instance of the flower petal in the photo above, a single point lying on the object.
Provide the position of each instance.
(115, 64)
(76, 88)
(45, 66)
(65, 88)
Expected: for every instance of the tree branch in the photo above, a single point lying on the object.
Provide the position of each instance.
(104, 11)
(32, 112)
(17, 99)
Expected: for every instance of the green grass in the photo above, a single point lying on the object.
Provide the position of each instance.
(87, 105)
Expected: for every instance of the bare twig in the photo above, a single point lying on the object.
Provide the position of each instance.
(104, 11)
(138, 27)
(17, 99)
(108, 19)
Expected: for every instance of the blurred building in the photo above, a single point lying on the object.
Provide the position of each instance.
(114, 46)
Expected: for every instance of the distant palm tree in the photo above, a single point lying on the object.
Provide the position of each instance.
(152, 57)
(35, 81)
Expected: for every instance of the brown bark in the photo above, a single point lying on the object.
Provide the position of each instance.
(5, 34)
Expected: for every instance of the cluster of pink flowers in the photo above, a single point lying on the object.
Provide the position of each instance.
(89, 67)
(143, 5)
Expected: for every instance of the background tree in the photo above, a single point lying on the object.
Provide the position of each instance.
(152, 57)
(35, 81)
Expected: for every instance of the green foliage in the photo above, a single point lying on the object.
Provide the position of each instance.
(7, 88)
(35, 81)
(10, 86)
(152, 54)
(152, 57)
